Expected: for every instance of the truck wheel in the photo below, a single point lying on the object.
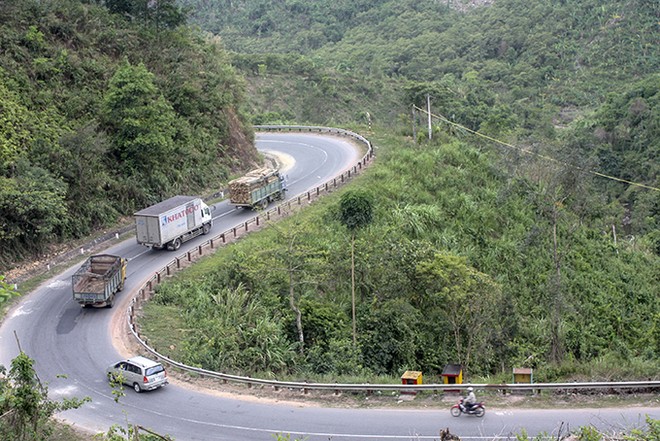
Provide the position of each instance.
(109, 303)
(206, 229)
(263, 204)
(176, 244)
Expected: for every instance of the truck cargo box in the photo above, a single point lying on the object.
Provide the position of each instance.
(172, 221)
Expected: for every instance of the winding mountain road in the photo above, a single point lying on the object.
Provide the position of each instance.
(65, 339)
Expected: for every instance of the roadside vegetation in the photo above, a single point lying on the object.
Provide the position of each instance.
(27, 414)
(462, 263)
(541, 250)
(106, 110)
(25, 409)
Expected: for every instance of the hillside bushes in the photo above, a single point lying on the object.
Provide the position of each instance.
(461, 264)
(102, 115)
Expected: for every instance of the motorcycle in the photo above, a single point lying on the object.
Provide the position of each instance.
(477, 409)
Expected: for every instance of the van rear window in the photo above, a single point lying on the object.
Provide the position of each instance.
(155, 370)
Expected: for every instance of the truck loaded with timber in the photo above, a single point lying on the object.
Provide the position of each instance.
(97, 281)
(170, 223)
(257, 188)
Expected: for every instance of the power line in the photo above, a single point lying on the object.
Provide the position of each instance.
(524, 150)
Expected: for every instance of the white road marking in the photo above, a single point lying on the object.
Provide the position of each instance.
(65, 391)
(58, 284)
(23, 309)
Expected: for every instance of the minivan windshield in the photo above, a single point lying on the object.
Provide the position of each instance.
(154, 370)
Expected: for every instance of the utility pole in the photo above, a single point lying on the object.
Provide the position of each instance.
(414, 124)
(428, 112)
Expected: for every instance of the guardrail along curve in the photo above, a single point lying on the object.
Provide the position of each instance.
(145, 291)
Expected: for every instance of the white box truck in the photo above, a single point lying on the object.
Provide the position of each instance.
(170, 223)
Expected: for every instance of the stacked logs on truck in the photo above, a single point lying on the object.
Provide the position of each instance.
(240, 190)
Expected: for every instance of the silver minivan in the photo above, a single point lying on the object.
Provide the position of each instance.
(138, 372)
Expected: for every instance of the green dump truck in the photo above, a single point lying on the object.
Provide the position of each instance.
(257, 188)
(97, 281)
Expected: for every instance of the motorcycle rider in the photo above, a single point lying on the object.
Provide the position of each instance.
(470, 399)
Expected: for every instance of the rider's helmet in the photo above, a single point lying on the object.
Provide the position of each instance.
(470, 389)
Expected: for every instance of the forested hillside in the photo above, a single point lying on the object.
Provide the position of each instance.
(535, 246)
(104, 110)
(465, 261)
(541, 249)
(575, 80)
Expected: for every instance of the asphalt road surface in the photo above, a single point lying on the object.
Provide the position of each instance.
(65, 339)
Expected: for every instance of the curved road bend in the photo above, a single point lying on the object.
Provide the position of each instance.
(65, 339)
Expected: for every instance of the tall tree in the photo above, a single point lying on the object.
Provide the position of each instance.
(141, 123)
(161, 13)
(15, 137)
(120, 6)
(552, 194)
(468, 299)
(87, 179)
(355, 212)
(296, 257)
(32, 207)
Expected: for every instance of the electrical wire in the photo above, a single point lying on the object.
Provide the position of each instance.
(548, 158)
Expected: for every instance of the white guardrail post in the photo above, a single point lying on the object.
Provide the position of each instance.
(143, 294)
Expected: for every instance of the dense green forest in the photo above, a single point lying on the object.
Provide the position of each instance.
(575, 80)
(458, 265)
(105, 110)
(539, 250)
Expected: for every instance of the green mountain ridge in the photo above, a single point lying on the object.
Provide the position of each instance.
(577, 81)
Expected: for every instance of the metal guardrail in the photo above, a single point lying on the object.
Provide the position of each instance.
(402, 388)
(145, 291)
(317, 129)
